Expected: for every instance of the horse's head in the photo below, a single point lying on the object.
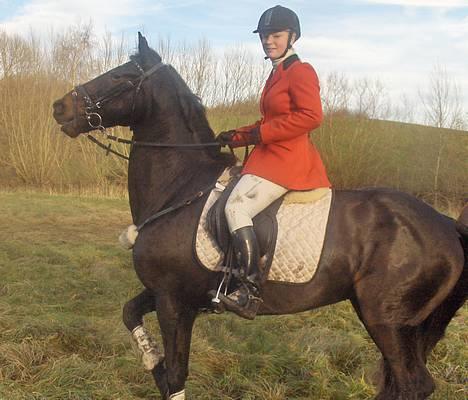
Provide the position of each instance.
(110, 99)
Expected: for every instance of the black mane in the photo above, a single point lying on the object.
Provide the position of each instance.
(190, 105)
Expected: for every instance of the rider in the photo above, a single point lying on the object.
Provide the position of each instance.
(283, 158)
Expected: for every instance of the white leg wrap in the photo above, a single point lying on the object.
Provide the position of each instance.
(150, 354)
(178, 396)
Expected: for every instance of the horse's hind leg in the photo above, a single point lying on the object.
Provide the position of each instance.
(403, 373)
(176, 321)
(433, 328)
(133, 312)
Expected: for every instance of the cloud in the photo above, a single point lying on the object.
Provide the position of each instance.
(421, 3)
(399, 50)
(43, 15)
(398, 45)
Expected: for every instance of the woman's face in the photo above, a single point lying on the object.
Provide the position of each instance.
(274, 44)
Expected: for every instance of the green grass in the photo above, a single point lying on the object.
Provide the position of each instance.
(64, 281)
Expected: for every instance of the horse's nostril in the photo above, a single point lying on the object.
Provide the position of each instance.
(58, 106)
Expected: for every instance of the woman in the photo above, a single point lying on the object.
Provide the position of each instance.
(283, 158)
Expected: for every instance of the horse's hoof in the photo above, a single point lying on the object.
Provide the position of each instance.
(178, 396)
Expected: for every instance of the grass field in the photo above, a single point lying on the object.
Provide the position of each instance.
(63, 283)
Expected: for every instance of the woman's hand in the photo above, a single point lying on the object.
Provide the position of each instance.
(237, 139)
(224, 138)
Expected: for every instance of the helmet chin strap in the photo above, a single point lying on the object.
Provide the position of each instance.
(286, 50)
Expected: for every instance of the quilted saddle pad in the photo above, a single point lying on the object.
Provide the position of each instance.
(301, 234)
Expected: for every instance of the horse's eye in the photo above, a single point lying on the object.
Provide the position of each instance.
(115, 77)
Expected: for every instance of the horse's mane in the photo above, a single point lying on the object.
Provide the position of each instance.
(178, 83)
(191, 107)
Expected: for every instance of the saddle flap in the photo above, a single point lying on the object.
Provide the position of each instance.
(265, 224)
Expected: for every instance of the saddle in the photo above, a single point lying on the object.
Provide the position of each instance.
(265, 226)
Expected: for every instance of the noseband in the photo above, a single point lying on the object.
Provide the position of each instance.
(93, 107)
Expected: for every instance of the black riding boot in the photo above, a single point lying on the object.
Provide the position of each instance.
(246, 300)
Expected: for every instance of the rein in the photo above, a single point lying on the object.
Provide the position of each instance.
(92, 107)
(94, 118)
(108, 147)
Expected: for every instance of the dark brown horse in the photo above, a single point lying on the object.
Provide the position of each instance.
(401, 264)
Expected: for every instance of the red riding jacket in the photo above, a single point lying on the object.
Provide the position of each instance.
(291, 108)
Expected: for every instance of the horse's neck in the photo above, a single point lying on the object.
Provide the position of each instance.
(158, 178)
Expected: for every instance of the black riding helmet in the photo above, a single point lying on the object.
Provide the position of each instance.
(277, 19)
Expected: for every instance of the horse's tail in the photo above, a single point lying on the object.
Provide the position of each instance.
(436, 323)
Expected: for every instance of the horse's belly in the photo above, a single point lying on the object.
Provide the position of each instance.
(301, 234)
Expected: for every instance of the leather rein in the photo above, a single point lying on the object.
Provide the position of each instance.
(94, 118)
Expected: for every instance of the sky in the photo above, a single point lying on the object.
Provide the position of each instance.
(398, 42)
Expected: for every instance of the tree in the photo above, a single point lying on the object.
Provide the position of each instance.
(443, 109)
(442, 101)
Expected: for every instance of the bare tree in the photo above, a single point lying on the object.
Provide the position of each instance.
(201, 67)
(335, 91)
(240, 78)
(443, 109)
(71, 55)
(442, 101)
(404, 111)
(16, 55)
(166, 49)
(370, 98)
(107, 53)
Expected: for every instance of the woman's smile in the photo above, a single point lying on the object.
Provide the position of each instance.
(275, 43)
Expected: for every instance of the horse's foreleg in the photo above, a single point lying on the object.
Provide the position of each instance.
(133, 312)
(176, 322)
(136, 308)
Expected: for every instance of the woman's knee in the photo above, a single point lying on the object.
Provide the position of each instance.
(237, 215)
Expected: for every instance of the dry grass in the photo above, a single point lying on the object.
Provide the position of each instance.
(64, 281)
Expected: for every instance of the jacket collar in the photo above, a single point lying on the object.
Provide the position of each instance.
(276, 75)
(289, 61)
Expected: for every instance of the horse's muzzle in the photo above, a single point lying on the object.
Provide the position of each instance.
(63, 114)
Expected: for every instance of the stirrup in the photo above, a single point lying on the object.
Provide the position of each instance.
(243, 304)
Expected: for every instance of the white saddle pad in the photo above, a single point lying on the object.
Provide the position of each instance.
(301, 233)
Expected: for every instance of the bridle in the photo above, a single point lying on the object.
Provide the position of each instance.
(94, 118)
(93, 107)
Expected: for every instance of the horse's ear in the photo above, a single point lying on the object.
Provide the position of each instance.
(142, 44)
(147, 54)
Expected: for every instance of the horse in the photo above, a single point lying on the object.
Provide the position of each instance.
(402, 264)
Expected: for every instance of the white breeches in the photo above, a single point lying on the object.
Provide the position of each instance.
(251, 195)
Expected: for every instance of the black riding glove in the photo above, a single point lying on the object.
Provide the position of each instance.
(224, 138)
(254, 136)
